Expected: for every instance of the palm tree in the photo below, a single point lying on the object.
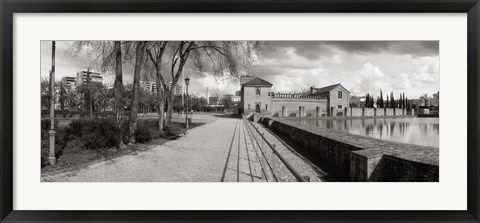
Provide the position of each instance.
(424, 98)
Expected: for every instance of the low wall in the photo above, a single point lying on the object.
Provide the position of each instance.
(395, 163)
(398, 111)
(326, 144)
(348, 111)
(389, 112)
(380, 112)
(357, 112)
(363, 158)
(368, 111)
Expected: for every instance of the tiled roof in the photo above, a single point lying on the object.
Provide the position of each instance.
(258, 82)
(326, 89)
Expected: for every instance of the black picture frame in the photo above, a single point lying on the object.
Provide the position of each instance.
(9, 7)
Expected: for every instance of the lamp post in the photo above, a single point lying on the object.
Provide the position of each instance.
(51, 156)
(187, 81)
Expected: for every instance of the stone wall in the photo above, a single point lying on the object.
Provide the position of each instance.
(398, 163)
(363, 158)
(326, 145)
(379, 111)
(399, 112)
(389, 112)
(357, 112)
(369, 112)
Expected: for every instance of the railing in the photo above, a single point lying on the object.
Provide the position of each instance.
(263, 141)
(281, 95)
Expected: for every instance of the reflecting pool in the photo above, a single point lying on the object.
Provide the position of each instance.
(419, 131)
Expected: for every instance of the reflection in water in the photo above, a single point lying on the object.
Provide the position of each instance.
(419, 131)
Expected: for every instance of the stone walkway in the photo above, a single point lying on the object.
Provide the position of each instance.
(243, 160)
(218, 151)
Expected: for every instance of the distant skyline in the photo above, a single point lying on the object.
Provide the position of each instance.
(412, 67)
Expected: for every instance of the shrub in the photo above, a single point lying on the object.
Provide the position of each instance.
(143, 135)
(143, 124)
(94, 134)
(45, 124)
(148, 123)
(45, 139)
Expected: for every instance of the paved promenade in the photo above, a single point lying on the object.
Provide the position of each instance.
(218, 151)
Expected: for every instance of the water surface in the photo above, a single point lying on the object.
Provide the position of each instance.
(419, 131)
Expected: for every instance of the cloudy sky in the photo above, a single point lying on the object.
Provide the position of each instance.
(412, 67)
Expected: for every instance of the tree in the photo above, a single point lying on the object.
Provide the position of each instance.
(392, 100)
(155, 53)
(181, 52)
(381, 99)
(367, 98)
(425, 99)
(407, 104)
(177, 103)
(102, 97)
(388, 102)
(198, 104)
(223, 57)
(118, 85)
(369, 101)
(227, 102)
(132, 123)
(62, 98)
(44, 93)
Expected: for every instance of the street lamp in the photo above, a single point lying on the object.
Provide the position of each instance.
(51, 156)
(187, 81)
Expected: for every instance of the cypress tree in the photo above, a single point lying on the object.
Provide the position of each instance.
(381, 99)
(388, 103)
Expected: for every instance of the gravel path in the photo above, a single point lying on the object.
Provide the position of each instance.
(199, 157)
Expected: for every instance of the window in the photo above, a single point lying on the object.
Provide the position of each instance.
(339, 94)
(257, 91)
(266, 107)
(339, 106)
(301, 111)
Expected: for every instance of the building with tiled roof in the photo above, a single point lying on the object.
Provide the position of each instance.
(257, 96)
(338, 98)
(258, 82)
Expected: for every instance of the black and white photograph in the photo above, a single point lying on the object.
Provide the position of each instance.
(239, 111)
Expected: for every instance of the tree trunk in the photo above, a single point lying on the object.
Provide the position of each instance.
(183, 60)
(119, 106)
(132, 124)
(171, 97)
(160, 98)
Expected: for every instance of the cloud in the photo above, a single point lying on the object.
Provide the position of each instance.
(414, 48)
(295, 81)
(426, 69)
(314, 50)
(370, 79)
(216, 87)
(363, 67)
